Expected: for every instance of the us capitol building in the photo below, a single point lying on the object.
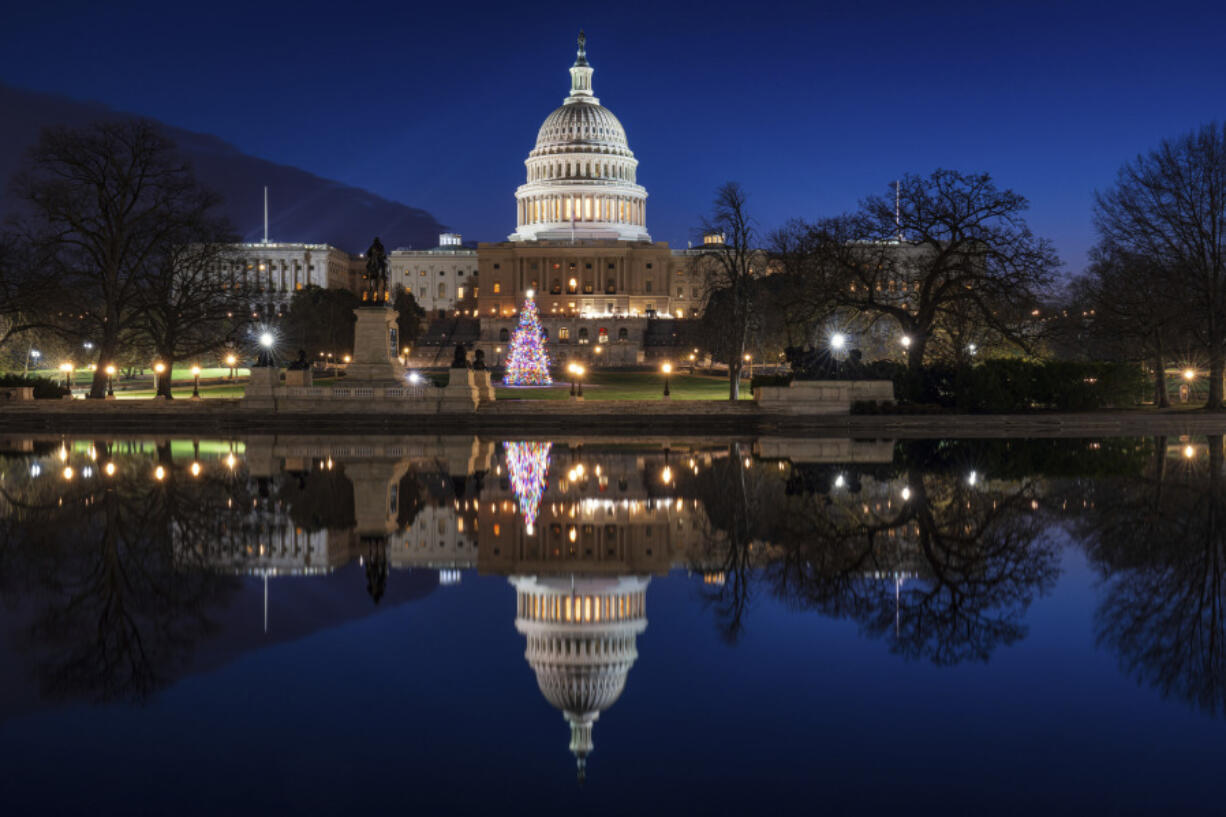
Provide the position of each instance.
(604, 289)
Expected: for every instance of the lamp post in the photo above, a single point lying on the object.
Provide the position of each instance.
(159, 369)
(232, 362)
(195, 382)
(667, 368)
(110, 380)
(576, 375)
(66, 368)
(749, 360)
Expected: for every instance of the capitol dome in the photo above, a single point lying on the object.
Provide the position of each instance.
(581, 643)
(581, 180)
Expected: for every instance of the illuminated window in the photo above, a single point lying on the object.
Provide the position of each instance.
(497, 287)
(564, 333)
(459, 293)
(602, 335)
(572, 285)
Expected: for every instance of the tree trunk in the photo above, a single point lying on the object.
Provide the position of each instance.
(734, 378)
(106, 352)
(164, 379)
(915, 369)
(1161, 399)
(1216, 363)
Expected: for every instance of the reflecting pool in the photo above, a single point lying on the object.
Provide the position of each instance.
(307, 624)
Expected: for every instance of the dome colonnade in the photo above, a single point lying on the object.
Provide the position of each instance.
(581, 179)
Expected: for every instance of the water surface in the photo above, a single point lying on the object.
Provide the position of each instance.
(462, 625)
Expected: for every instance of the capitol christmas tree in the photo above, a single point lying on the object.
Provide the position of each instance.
(527, 363)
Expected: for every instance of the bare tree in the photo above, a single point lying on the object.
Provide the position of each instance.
(189, 305)
(101, 205)
(731, 267)
(1128, 309)
(1169, 208)
(942, 250)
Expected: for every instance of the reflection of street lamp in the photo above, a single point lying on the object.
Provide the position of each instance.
(667, 368)
(196, 382)
(110, 380)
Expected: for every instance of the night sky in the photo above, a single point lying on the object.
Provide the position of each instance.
(809, 105)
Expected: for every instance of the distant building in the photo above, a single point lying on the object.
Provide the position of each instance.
(441, 279)
(272, 272)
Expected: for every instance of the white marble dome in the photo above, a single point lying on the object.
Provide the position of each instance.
(582, 175)
(590, 127)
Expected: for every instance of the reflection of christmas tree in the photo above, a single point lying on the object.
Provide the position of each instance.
(527, 363)
(528, 464)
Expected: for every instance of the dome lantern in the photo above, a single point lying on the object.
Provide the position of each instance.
(581, 76)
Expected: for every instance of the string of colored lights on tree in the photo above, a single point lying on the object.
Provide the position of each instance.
(528, 465)
(527, 363)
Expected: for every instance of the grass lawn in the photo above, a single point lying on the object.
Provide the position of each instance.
(599, 385)
(610, 385)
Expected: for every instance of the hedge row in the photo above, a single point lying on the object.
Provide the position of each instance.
(44, 388)
(1008, 385)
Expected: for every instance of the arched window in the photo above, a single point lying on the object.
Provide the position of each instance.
(504, 334)
(556, 288)
(623, 335)
(583, 338)
(602, 335)
(563, 334)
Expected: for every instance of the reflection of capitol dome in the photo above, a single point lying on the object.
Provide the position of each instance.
(581, 174)
(581, 644)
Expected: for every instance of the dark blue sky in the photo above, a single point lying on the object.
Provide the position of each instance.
(809, 105)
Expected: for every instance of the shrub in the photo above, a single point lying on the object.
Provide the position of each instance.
(782, 380)
(44, 388)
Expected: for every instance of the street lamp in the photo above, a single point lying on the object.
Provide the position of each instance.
(749, 360)
(667, 368)
(66, 368)
(159, 369)
(837, 341)
(232, 362)
(196, 382)
(576, 373)
(906, 341)
(1189, 374)
(110, 380)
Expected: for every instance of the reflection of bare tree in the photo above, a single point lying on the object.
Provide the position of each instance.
(1160, 542)
(119, 603)
(941, 568)
(730, 493)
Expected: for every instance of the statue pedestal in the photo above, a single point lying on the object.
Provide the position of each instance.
(298, 377)
(261, 387)
(375, 340)
(460, 394)
(485, 386)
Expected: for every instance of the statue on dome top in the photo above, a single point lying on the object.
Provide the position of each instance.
(582, 55)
